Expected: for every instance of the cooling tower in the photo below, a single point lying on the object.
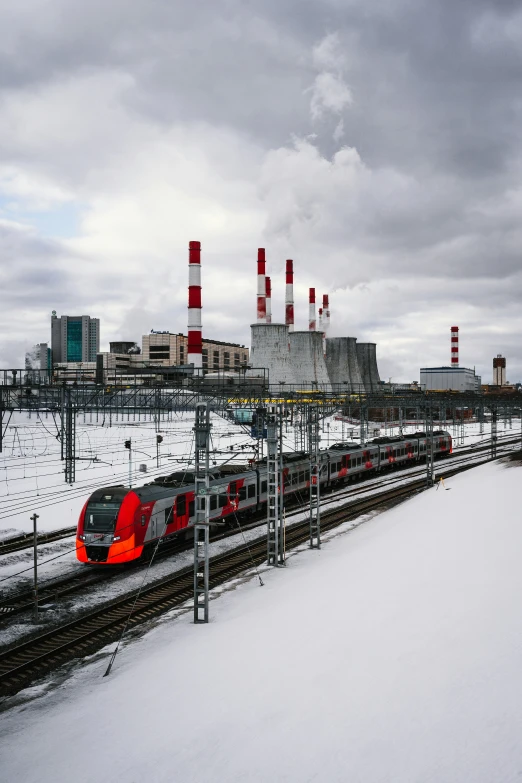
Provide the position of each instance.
(342, 364)
(306, 349)
(270, 349)
(367, 359)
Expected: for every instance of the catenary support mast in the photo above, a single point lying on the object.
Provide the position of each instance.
(202, 526)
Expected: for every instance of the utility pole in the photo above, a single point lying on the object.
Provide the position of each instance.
(315, 477)
(128, 445)
(35, 564)
(202, 527)
(274, 476)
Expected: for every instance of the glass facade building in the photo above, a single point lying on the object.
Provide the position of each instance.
(74, 338)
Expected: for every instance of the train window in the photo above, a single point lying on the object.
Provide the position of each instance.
(301, 476)
(243, 493)
(307, 475)
(287, 480)
(295, 478)
(191, 508)
(213, 502)
(181, 505)
(252, 491)
(263, 487)
(223, 500)
(233, 488)
(168, 516)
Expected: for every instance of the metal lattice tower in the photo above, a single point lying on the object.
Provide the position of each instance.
(494, 417)
(363, 414)
(430, 471)
(202, 527)
(68, 436)
(275, 544)
(315, 484)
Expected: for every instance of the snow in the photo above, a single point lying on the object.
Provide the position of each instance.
(392, 654)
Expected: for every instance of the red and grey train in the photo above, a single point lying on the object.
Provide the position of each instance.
(119, 525)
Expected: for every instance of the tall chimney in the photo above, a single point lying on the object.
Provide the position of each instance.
(289, 295)
(261, 286)
(195, 346)
(326, 313)
(320, 319)
(268, 289)
(311, 318)
(454, 346)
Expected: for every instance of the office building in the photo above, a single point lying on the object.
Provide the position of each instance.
(74, 338)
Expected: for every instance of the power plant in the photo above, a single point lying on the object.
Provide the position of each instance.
(307, 359)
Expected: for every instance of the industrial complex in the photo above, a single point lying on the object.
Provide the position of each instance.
(292, 359)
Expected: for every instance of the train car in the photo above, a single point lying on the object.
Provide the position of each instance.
(119, 525)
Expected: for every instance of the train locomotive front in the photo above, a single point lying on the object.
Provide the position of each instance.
(106, 529)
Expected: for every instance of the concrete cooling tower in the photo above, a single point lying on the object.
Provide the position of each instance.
(271, 349)
(367, 360)
(342, 364)
(306, 349)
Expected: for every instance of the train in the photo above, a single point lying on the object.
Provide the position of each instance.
(120, 525)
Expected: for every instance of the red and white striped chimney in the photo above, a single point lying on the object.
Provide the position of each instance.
(326, 313)
(268, 289)
(454, 346)
(195, 345)
(261, 286)
(311, 318)
(320, 319)
(289, 295)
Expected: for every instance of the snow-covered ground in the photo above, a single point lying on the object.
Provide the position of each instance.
(393, 654)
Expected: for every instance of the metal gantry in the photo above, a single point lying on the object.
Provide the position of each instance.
(314, 439)
(202, 500)
(274, 477)
(494, 420)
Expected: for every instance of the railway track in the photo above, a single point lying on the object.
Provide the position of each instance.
(51, 591)
(25, 540)
(23, 663)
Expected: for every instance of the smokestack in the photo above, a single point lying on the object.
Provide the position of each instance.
(194, 348)
(261, 286)
(268, 289)
(326, 313)
(454, 346)
(320, 319)
(289, 295)
(311, 319)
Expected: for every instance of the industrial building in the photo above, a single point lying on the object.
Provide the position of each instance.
(449, 379)
(499, 371)
(164, 349)
(74, 338)
(453, 378)
(308, 359)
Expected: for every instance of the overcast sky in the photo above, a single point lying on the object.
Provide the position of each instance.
(376, 142)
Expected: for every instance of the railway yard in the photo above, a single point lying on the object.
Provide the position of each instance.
(82, 609)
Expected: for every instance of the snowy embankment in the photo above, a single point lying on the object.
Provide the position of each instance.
(393, 654)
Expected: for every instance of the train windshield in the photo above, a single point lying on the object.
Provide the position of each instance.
(101, 517)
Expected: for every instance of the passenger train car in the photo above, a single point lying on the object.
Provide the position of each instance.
(119, 525)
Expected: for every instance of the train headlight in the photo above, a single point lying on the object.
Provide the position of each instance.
(116, 538)
(82, 538)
